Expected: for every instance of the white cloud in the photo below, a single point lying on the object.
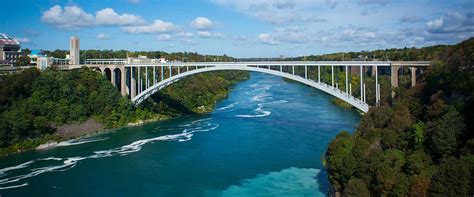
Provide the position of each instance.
(164, 37)
(102, 36)
(23, 40)
(268, 39)
(158, 26)
(74, 18)
(69, 18)
(277, 12)
(204, 34)
(185, 35)
(452, 22)
(202, 23)
(207, 34)
(357, 34)
(108, 16)
(379, 2)
(290, 35)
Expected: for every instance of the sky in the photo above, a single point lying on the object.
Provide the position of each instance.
(238, 28)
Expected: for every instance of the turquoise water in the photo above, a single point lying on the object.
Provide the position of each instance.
(267, 138)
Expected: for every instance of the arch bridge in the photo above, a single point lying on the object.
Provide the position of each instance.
(141, 80)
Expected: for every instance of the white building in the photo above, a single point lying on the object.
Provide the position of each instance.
(74, 50)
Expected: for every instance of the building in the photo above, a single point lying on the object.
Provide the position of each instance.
(74, 50)
(34, 54)
(43, 62)
(9, 49)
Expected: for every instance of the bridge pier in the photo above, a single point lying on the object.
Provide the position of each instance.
(306, 72)
(112, 76)
(123, 81)
(394, 78)
(139, 80)
(133, 84)
(347, 79)
(319, 74)
(377, 87)
(361, 68)
(154, 75)
(413, 76)
(332, 76)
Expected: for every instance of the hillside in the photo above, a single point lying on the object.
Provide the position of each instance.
(422, 145)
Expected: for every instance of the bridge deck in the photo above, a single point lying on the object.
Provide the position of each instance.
(293, 63)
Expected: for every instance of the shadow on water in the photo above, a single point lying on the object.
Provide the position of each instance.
(323, 181)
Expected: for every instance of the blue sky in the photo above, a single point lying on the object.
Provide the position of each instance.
(240, 28)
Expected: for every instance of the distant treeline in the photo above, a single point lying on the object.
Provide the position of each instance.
(121, 54)
(405, 54)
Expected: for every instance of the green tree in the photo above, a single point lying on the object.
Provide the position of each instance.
(446, 133)
(452, 179)
(356, 187)
(340, 162)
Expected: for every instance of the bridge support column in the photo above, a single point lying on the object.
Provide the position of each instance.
(413, 76)
(347, 80)
(139, 81)
(293, 67)
(332, 76)
(162, 73)
(377, 93)
(361, 83)
(171, 71)
(394, 78)
(306, 72)
(146, 77)
(112, 76)
(154, 75)
(123, 79)
(133, 84)
(319, 74)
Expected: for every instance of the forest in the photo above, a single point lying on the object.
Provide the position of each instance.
(33, 104)
(405, 54)
(421, 143)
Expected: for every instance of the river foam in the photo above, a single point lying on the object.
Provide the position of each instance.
(80, 141)
(232, 105)
(39, 166)
(259, 110)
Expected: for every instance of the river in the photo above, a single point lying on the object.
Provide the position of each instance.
(266, 138)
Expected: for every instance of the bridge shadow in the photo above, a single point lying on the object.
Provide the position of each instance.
(168, 105)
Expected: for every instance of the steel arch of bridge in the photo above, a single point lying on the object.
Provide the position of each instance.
(142, 88)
